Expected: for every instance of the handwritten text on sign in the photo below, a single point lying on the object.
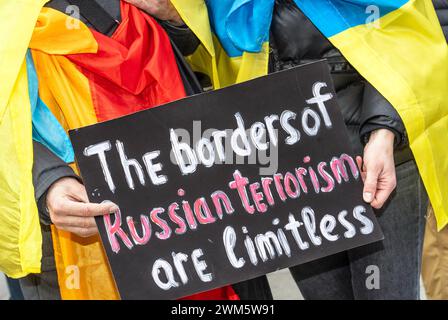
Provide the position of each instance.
(196, 215)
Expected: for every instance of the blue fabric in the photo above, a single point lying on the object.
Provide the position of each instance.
(46, 128)
(335, 16)
(241, 25)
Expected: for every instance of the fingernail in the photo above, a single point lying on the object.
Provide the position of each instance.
(114, 209)
(367, 197)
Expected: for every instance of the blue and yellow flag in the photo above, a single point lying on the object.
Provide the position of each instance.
(234, 36)
(397, 45)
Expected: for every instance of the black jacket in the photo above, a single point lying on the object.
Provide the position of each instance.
(295, 40)
(442, 12)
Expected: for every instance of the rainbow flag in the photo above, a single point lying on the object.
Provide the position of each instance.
(397, 45)
(85, 77)
(58, 78)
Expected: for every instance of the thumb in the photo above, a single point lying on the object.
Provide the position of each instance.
(370, 185)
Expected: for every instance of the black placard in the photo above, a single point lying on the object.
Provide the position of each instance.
(309, 192)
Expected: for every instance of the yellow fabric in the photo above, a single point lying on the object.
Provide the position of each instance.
(51, 35)
(195, 15)
(67, 93)
(20, 235)
(82, 265)
(233, 70)
(406, 59)
(210, 58)
(63, 88)
(83, 269)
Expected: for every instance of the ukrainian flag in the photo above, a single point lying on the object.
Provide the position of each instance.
(397, 45)
(234, 36)
(400, 50)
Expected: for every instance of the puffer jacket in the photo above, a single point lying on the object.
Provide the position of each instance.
(295, 40)
(441, 7)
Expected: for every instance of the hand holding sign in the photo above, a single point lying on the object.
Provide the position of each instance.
(197, 215)
(70, 210)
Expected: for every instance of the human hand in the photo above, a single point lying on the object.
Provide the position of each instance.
(70, 210)
(378, 168)
(160, 9)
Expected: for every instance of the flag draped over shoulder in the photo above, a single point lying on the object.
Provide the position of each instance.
(234, 38)
(20, 235)
(66, 79)
(397, 45)
(73, 77)
(402, 52)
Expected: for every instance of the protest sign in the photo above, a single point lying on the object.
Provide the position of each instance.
(226, 186)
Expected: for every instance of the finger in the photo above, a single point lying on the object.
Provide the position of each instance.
(370, 184)
(359, 163)
(381, 198)
(79, 209)
(79, 222)
(78, 192)
(363, 176)
(388, 184)
(82, 232)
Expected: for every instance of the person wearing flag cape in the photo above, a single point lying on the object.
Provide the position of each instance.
(391, 109)
(74, 63)
(388, 103)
